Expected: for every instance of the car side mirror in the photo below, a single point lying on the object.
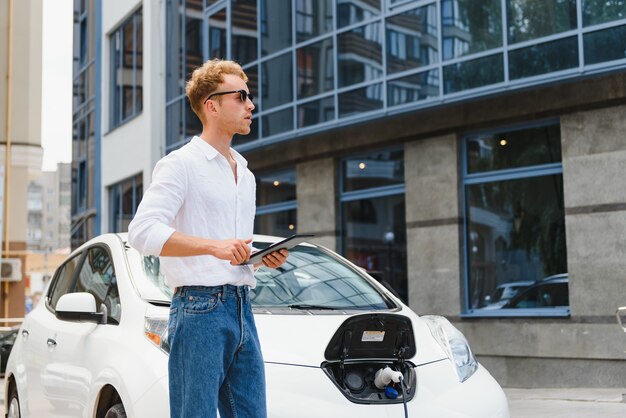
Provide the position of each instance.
(621, 317)
(80, 306)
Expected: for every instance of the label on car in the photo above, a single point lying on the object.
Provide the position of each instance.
(373, 336)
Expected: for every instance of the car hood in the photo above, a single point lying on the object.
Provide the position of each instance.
(303, 339)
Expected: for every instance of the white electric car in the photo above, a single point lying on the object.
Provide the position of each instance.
(96, 345)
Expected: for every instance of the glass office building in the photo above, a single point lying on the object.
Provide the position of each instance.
(465, 153)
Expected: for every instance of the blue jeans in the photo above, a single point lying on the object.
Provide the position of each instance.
(215, 356)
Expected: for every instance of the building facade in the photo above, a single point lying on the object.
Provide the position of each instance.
(466, 153)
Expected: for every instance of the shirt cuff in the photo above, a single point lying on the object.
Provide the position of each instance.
(158, 237)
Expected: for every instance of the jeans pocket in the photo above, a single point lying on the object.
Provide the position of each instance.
(200, 304)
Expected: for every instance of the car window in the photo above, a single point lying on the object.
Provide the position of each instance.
(311, 277)
(64, 280)
(97, 276)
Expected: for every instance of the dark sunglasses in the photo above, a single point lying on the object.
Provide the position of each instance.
(243, 95)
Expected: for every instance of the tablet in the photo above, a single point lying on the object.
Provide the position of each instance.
(287, 243)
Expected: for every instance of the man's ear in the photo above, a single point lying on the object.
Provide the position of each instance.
(210, 108)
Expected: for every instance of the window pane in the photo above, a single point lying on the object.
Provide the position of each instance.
(472, 74)
(350, 12)
(600, 11)
(413, 88)
(114, 208)
(174, 49)
(280, 224)
(317, 111)
(359, 54)
(470, 26)
(276, 187)
(193, 126)
(361, 100)
(244, 30)
(174, 123)
(516, 237)
(412, 39)
(384, 168)
(278, 122)
(313, 18)
(138, 82)
(544, 58)
(533, 19)
(277, 79)
(64, 281)
(217, 35)
(275, 25)
(193, 42)
(605, 45)
(514, 149)
(374, 238)
(315, 68)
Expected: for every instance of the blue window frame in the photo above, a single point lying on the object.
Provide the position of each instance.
(515, 253)
(124, 198)
(126, 45)
(373, 220)
(276, 212)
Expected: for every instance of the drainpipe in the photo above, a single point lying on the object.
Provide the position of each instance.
(7, 155)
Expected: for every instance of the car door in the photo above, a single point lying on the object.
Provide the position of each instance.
(40, 326)
(67, 377)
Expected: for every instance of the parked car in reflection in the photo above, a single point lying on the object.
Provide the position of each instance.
(505, 292)
(335, 343)
(551, 292)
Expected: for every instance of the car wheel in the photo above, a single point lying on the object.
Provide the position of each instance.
(13, 406)
(116, 411)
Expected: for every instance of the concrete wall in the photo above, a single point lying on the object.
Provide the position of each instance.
(316, 191)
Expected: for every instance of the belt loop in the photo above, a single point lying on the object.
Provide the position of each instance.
(223, 292)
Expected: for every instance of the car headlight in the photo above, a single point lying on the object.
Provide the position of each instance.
(155, 328)
(454, 345)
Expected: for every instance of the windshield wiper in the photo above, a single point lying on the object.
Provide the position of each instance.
(304, 306)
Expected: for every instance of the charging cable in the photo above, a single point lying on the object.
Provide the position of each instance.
(404, 393)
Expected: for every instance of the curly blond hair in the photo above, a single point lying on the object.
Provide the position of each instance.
(205, 79)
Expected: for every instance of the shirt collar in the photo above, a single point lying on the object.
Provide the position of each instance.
(210, 152)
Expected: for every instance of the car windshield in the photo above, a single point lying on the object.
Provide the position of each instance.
(310, 279)
(314, 279)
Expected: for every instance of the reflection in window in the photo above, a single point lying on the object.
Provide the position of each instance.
(277, 78)
(350, 12)
(515, 228)
(275, 25)
(280, 224)
(315, 68)
(174, 123)
(529, 20)
(470, 26)
(374, 237)
(126, 69)
(317, 111)
(385, 168)
(276, 187)
(278, 122)
(124, 198)
(313, 18)
(97, 277)
(601, 11)
(361, 100)
(605, 45)
(412, 39)
(359, 54)
(514, 149)
(64, 281)
(244, 30)
(543, 58)
(473, 74)
(217, 35)
(413, 88)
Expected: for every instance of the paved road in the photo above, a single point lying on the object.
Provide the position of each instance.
(552, 403)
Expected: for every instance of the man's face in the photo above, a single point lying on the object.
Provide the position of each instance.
(232, 115)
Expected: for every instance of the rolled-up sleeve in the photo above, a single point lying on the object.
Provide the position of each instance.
(152, 225)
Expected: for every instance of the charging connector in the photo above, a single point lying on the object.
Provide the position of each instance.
(386, 375)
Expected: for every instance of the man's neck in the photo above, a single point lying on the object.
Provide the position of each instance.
(218, 140)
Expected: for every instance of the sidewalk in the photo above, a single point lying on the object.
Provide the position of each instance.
(567, 403)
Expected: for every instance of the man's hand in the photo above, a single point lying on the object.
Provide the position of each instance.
(274, 259)
(234, 250)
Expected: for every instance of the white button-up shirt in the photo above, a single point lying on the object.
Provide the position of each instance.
(193, 191)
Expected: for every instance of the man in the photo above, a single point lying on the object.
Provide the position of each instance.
(198, 215)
